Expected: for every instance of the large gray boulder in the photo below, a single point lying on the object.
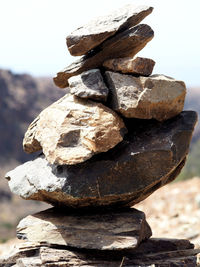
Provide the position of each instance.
(89, 36)
(124, 44)
(151, 155)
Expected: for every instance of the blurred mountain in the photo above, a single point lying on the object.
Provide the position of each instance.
(22, 98)
(192, 102)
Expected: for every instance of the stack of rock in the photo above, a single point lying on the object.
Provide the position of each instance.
(118, 135)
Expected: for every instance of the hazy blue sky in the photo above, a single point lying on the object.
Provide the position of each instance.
(33, 34)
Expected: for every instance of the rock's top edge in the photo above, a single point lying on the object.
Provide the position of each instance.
(87, 37)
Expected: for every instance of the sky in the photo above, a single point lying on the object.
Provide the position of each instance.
(33, 34)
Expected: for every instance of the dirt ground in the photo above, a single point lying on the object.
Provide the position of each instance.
(174, 211)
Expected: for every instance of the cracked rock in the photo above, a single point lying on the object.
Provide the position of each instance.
(72, 130)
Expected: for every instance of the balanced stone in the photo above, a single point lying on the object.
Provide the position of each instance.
(155, 97)
(90, 230)
(137, 66)
(89, 36)
(124, 44)
(72, 130)
(150, 156)
(89, 84)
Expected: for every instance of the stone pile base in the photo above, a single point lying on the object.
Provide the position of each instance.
(153, 252)
(57, 237)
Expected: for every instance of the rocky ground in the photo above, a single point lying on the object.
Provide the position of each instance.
(174, 211)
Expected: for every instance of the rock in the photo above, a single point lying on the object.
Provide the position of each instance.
(156, 97)
(30, 262)
(124, 44)
(158, 252)
(89, 84)
(72, 130)
(115, 230)
(138, 66)
(87, 37)
(150, 156)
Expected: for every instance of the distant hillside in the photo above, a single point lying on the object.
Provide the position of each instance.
(193, 103)
(22, 98)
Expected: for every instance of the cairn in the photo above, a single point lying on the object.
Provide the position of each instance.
(118, 135)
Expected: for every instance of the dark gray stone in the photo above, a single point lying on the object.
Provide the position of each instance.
(89, 84)
(89, 36)
(150, 156)
(124, 44)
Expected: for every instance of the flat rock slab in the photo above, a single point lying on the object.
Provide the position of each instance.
(150, 156)
(153, 252)
(72, 130)
(137, 66)
(124, 44)
(155, 97)
(89, 84)
(103, 231)
(89, 36)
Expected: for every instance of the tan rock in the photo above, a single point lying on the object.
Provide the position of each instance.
(138, 65)
(72, 130)
(111, 230)
(155, 97)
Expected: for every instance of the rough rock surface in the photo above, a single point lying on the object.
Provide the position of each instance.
(156, 97)
(137, 66)
(150, 156)
(89, 84)
(153, 252)
(72, 130)
(115, 230)
(89, 36)
(124, 44)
